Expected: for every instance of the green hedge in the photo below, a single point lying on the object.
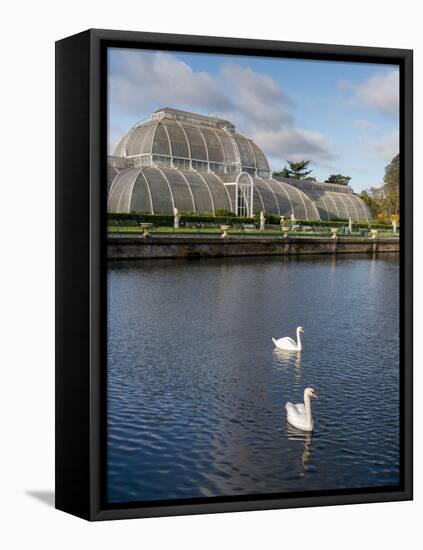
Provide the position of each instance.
(167, 220)
(275, 220)
(343, 223)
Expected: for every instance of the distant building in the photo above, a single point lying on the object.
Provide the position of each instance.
(193, 162)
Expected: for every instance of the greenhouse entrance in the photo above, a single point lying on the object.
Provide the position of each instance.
(244, 196)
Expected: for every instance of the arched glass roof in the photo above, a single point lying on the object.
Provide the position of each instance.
(111, 174)
(160, 190)
(282, 199)
(181, 139)
(333, 202)
(339, 206)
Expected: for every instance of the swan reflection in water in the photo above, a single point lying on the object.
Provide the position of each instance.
(286, 359)
(305, 437)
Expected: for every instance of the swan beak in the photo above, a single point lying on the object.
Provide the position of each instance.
(315, 396)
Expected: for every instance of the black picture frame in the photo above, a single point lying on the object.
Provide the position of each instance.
(81, 272)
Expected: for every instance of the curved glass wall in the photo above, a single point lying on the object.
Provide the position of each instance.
(231, 189)
(218, 190)
(161, 143)
(285, 204)
(333, 202)
(340, 203)
(258, 205)
(214, 146)
(202, 197)
(281, 199)
(141, 196)
(120, 149)
(178, 140)
(181, 192)
(228, 145)
(161, 197)
(245, 151)
(267, 196)
(159, 190)
(140, 140)
(223, 149)
(261, 160)
(339, 206)
(111, 174)
(321, 205)
(196, 142)
(123, 182)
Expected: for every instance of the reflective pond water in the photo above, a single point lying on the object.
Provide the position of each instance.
(197, 392)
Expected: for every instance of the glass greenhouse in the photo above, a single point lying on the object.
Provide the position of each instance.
(199, 163)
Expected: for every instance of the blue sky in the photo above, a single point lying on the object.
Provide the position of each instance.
(344, 117)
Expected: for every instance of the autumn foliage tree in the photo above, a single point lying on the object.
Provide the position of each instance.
(392, 186)
(384, 201)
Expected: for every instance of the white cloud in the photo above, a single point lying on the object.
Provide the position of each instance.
(265, 113)
(149, 81)
(259, 100)
(254, 102)
(293, 143)
(380, 91)
(386, 147)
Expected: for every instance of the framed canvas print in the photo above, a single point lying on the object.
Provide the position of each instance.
(234, 274)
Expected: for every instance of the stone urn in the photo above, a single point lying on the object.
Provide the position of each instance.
(224, 229)
(334, 231)
(146, 227)
(285, 230)
(374, 233)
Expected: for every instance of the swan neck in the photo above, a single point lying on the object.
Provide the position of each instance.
(307, 404)
(298, 339)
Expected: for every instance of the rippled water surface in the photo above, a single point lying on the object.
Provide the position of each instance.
(197, 392)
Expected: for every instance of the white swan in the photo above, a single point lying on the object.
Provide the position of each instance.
(299, 415)
(288, 343)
